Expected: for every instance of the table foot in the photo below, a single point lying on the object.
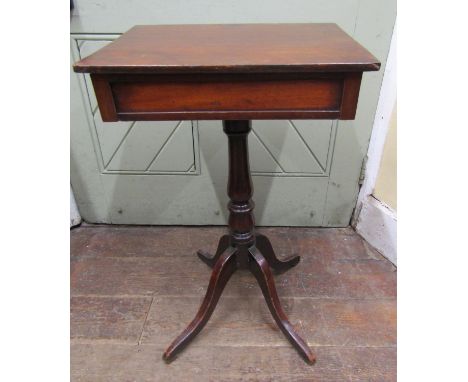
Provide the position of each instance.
(209, 259)
(224, 267)
(259, 267)
(222, 272)
(263, 244)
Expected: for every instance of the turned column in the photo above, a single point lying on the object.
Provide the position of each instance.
(240, 190)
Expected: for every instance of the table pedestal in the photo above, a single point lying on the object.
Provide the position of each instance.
(241, 249)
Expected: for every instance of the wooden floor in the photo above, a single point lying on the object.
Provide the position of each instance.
(135, 288)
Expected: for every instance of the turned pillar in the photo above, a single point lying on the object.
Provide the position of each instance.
(240, 189)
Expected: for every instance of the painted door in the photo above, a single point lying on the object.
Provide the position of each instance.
(305, 173)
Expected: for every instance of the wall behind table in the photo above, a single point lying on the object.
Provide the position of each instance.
(386, 185)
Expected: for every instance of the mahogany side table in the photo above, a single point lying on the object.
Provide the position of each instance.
(234, 73)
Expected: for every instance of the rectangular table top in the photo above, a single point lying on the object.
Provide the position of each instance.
(234, 48)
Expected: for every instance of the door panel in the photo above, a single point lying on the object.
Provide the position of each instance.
(137, 147)
(305, 172)
(295, 147)
(161, 147)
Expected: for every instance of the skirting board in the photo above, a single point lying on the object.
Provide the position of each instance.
(377, 224)
(75, 217)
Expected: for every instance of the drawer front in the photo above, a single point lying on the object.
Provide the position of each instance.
(141, 97)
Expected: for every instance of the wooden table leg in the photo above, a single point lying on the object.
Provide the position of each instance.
(261, 270)
(222, 272)
(210, 260)
(241, 249)
(266, 249)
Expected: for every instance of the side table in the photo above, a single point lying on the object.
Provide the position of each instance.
(235, 73)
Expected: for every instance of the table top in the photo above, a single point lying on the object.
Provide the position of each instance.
(232, 48)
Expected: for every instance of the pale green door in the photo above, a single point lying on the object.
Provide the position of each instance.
(305, 173)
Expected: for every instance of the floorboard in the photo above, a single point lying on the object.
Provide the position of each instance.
(135, 288)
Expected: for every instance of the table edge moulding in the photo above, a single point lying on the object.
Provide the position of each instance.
(236, 73)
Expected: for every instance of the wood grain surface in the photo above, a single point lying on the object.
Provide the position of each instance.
(232, 93)
(231, 48)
